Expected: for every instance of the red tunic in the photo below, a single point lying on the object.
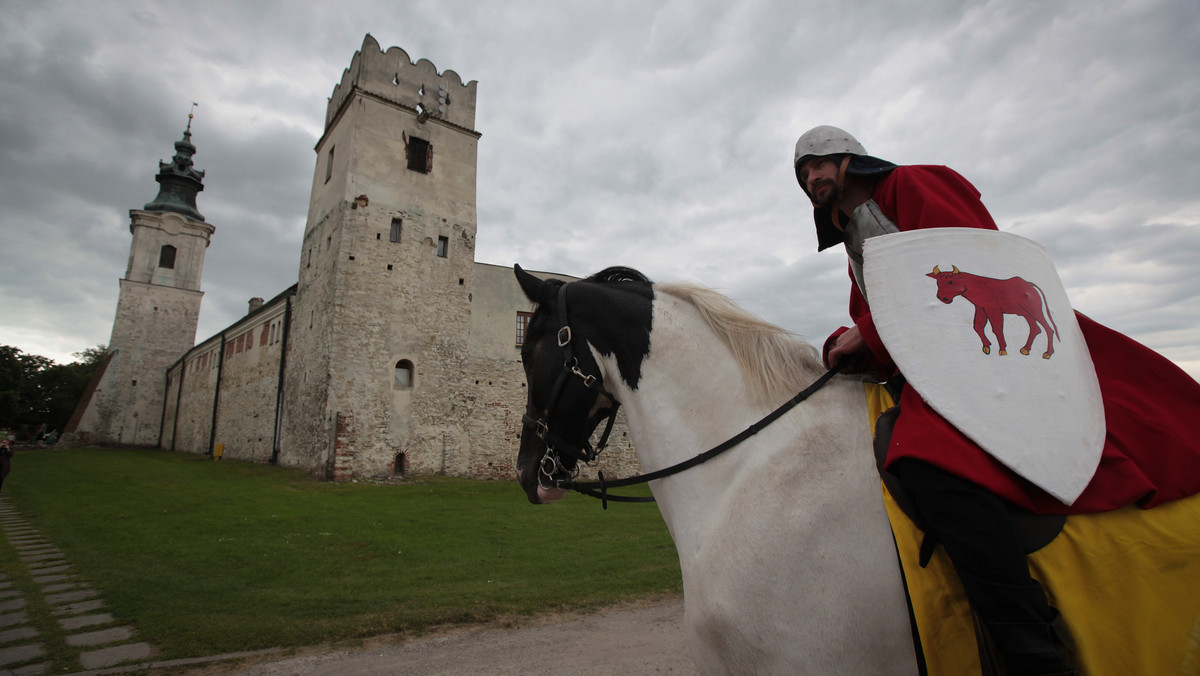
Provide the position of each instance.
(1151, 453)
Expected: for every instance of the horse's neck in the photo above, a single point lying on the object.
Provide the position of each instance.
(690, 398)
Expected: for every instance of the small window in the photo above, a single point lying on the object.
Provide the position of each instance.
(395, 236)
(329, 164)
(443, 246)
(403, 378)
(522, 326)
(420, 155)
(166, 257)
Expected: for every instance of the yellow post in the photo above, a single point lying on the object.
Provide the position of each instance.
(218, 451)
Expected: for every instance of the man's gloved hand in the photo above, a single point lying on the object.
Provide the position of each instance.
(846, 349)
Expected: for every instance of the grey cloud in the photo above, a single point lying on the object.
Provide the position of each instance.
(616, 133)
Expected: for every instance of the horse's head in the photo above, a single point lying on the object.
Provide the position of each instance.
(567, 398)
(950, 285)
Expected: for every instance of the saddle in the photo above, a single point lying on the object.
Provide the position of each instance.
(1034, 530)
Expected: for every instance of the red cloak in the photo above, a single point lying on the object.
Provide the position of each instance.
(1151, 452)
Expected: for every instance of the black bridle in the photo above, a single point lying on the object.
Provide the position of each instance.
(551, 469)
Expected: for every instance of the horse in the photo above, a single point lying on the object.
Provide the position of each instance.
(787, 558)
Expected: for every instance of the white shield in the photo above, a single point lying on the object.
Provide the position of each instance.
(1040, 414)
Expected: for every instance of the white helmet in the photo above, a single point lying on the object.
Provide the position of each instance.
(826, 140)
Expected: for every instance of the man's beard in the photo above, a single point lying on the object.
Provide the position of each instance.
(825, 198)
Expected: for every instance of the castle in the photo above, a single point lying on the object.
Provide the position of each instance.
(394, 353)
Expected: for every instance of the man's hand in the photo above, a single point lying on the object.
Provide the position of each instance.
(847, 350)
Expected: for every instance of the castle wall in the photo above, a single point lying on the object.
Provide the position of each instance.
(308, 424)
(249, 387)
(398, 352)
(238, 370)
(187, 423)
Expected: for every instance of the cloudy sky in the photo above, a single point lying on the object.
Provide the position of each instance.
(654, 135)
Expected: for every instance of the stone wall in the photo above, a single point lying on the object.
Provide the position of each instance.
(235, 375)
(397, 352)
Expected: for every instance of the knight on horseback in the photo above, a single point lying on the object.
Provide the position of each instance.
(963, 496)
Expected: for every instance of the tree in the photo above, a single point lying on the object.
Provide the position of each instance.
(10, 384)
(35, 391)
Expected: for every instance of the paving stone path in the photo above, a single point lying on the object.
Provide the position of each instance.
(77, 608)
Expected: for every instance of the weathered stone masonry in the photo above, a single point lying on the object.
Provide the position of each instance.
(395, 353)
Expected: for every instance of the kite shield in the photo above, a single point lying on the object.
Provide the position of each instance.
(980, 325)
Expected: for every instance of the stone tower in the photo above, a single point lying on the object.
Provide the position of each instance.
(157, 310)
(382, 310)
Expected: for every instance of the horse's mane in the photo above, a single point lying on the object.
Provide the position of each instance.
(618, 273)
(775, 364)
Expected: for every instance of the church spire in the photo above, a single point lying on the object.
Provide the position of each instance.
(178, 180)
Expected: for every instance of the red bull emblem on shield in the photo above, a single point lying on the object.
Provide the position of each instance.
(993, 298)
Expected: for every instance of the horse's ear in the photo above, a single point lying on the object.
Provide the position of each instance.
(532, 286)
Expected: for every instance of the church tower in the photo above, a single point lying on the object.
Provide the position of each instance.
(157, 310)
(383, 304)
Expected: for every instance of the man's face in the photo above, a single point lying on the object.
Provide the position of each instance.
(818, 175)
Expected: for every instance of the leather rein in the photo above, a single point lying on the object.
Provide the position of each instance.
(553, 474)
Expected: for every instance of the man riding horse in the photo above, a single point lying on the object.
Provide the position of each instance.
(1151, 452)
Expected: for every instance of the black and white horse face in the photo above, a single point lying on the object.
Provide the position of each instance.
(575, 412)
(543, 361)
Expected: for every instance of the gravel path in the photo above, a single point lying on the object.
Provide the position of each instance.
(640, 640)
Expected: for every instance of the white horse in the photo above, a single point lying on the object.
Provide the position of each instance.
(788, 561)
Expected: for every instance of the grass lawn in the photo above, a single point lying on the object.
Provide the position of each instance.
(211, 557)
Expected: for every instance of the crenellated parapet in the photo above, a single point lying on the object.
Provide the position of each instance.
(392, 76)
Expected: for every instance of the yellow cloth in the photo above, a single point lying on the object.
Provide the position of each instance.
(1127, 582)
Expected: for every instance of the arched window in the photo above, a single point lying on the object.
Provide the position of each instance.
(166, 257)
(403, 378)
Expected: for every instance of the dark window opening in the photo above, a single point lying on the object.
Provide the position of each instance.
(403, 377)
(395, 236)
(522, 326)
(329, 164)
(166, 257)
(420, 155)
(443, 246)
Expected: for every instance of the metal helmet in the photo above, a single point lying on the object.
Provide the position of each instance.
(826, 140)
